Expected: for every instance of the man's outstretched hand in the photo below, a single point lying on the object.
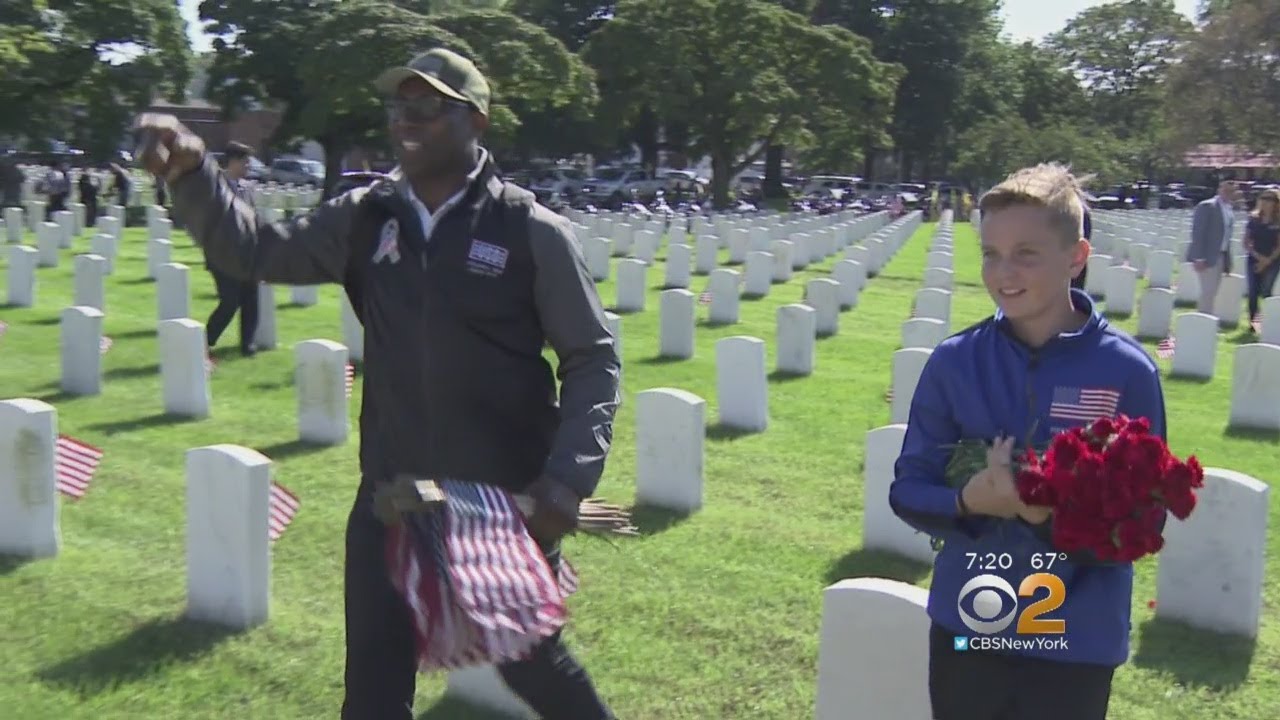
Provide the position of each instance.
(166, 148)
(555, 511)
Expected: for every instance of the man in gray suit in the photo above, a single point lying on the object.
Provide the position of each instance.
(1210, 248)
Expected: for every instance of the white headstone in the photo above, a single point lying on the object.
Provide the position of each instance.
(881, 528)
(159, 252)
(873, 652)
(173, 291)
(707, 251)
(678, 266)
(796, 339)
(81, 350)
(29, 517)
(782, 251)
(304, 295)
(939, 259)
(742, 389)
(482, 687)
(104, 246)
(1212, 566)
(1270, 321)
(923, 333)
(1160, 269)
(320, 378)
(800, 251)
(940, 278)
(1095, 283)
(22, 275)
(723, 286)
(1228, 304)
(90, 282)
(632, 281)
(1188, 285)
(66, 223)
(759, 272)
(1121, 289)
(48, 241)
(352, 330)
(1195, 349)
(598, 250)
(823, 295)
(13, 224)
(264, 337)
(851, 276)
(739, 244)
(228, 550)
(676, 324)
(934, 303)
(1255, 387)
(670, 432)
(184, 378)
(1155, 315)
(908, 364)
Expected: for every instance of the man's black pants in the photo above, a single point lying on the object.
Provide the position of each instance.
(381, 665)
(1261, 285)
(981, 685)
(233, 295)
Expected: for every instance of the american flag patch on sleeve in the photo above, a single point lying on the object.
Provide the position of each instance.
(1085, 404)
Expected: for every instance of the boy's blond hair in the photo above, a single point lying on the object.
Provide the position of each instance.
(1048, 185)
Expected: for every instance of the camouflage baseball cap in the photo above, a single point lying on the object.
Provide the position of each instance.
(448, 72)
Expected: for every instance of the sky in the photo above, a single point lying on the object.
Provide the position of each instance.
(1024, 19)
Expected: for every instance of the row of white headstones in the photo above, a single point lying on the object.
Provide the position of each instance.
(228, 486)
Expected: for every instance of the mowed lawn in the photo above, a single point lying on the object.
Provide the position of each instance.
(708, 617)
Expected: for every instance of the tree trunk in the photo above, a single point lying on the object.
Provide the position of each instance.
(772, 186)
(721, 165)
(869, 162)
(644, 133)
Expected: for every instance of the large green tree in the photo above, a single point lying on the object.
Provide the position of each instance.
(79, 70)
(739, 75)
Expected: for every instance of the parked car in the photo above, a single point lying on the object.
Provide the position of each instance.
(618, 184)
(297, 171)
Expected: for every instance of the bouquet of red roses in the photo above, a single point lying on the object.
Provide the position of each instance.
(1109, 486)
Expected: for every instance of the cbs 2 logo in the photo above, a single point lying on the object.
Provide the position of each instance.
(991, 593)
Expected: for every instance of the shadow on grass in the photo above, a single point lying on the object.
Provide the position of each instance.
(269, 385)
(46, 321)
(719, 431)
(144, 651)
(651, 520)
(661, 360)
(784, 376)
(1255, 434)
(138, 281)
(117, 427)
(1182, 380)
(290, 448)
(131, 372)
(876, 563)
(10, 563)
(134, 334)
(56, 395)
(1117, 315)
(1245, 337)
(447, 708)
(1219, 662)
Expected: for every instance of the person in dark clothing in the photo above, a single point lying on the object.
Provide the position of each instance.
(123, 184)
(57, 184)
(463, 279)
(1262, 244)
(233, 293)
(88, 186)
(1077, 282)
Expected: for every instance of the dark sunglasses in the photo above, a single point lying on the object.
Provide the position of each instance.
(420, 110)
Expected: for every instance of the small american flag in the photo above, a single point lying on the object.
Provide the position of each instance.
(1164, 348)
(478, 588)
(1255, 324)
(281, 509)
(351, 378)
(4, 327)
(888, 394)
(104, 344)
(1087, 404)
(210, 364)
(74, 463)
(704, 298)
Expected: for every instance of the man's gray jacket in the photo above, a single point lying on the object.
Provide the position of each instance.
(1207, 230)
(455, 382)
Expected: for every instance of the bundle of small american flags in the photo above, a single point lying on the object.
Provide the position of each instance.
(478, 588)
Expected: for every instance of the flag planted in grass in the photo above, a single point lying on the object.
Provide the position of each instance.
(479, 588)
(1164, 348)
(351, 378)
(4, 327)
(888, 394)
(210, 364)
(105, 344)
(704, 298)
(283, 505)
(74, 464)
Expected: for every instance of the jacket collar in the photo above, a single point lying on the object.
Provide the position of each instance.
(1081, 301)
(485, 176)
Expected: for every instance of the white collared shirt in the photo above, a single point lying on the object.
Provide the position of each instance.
(1228, 219)
(428, 218)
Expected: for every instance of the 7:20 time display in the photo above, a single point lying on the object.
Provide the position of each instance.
(989, 561)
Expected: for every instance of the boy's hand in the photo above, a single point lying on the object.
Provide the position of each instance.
(1035, 514)
(987, 493)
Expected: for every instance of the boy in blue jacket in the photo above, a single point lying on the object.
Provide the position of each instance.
(1046, 361)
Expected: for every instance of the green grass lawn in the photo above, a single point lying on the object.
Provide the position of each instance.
(714, 616)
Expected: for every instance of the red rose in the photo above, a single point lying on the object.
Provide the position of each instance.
(1141, 425)
(1065, 450)
(1102, 428)
(1180, 503)
(1131, 534)
(1197, 472)
(1033, 489)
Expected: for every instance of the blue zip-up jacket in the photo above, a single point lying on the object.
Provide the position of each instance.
(983, 383)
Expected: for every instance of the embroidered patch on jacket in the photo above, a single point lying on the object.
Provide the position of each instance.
(486, 258)
(388, 243)
(1087, 404)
